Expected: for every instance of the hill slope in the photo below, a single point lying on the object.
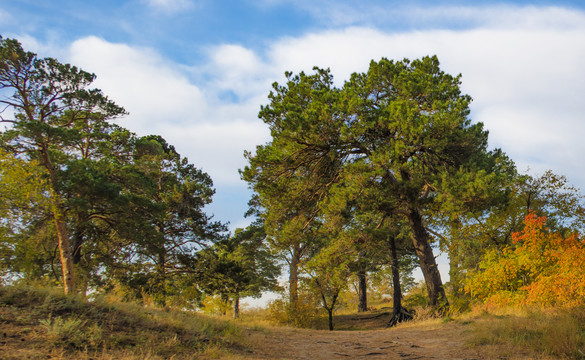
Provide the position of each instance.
(41, 324)
(44, 324)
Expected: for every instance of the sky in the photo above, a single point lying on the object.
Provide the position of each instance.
(197, 71)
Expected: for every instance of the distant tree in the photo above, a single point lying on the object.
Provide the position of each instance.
(329, 272)
(177, 226)
(290, 174)
(237, 267)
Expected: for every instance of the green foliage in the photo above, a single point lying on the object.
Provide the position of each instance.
(390, 142)
(416, 297)
(238, 266)
(57, 121)
(119, 209)
(172, 228)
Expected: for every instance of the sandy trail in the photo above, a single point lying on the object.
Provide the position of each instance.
(444, 341)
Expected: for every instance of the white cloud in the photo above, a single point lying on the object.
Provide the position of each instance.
(218, 147)
(522, 66)
(149, 86)
(239, 70)
(162, 100)
(527, 83)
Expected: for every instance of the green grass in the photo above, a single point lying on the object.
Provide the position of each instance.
(41, 323)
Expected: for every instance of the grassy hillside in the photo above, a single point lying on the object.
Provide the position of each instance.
(41, 324)
(44, 324)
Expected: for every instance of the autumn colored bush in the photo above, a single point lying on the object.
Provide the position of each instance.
(541, 268)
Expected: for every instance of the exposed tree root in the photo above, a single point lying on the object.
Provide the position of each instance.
(373, 317)
(400, 316)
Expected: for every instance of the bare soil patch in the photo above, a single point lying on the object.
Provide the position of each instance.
(426, 340)
(433, 340)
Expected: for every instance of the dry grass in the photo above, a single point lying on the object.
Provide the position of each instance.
(41, 324)
(530, 333)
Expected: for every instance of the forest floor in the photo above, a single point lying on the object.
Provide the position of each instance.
(365, 336)
(39, 324)
(438, 341)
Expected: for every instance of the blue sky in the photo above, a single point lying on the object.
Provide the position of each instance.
(197, 71)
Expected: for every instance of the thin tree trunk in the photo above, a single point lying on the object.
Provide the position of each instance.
(77, 255)
(362, 291)
(64, 250)
(330, 307)
(293, 278)
(399, 314)
(330, 313)
(60, 227)
(237, 307)
(77, 243)
(428, 265)
(162, 278)
(397, 296)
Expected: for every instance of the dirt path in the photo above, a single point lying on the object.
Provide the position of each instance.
(438, 341)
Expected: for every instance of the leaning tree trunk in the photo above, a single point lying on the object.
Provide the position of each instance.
(428, 265)
(362, 291)
(60, 226)
(293, 278)
(64, 250)
(399, 314)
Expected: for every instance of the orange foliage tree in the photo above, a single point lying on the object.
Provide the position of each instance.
(539, 268)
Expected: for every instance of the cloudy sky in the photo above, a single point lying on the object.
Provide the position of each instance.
(197, 71)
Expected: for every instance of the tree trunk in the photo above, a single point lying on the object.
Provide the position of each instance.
(77, 255)
(77, 243)
(237, 307)
(330, 313)
(399, 314)
(362, 291)
(428, 265)
(64, 249)
(397, 296)
(60, 226)
(330, 307)
(162, 279)
(293, 278)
